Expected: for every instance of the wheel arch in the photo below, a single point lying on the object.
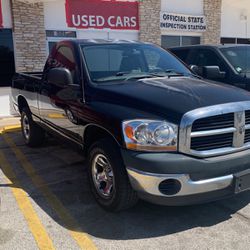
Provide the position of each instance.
(22, 103)
(94, 133)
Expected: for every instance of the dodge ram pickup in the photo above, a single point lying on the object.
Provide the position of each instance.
(149, 128)
(223, 63)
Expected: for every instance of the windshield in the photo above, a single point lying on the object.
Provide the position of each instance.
(239, 57)
(118, 62)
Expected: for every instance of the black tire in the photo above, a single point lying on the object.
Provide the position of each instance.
(122, 195)
(33, 134)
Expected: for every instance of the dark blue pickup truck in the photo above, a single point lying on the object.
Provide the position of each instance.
(223, 63)
(150, 128)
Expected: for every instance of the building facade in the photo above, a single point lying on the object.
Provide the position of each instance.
(30, 28)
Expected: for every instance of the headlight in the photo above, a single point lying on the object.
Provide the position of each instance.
(150, 135)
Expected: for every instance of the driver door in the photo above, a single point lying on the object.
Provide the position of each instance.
(58, 103)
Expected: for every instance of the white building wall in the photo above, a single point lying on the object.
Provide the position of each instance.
(235, 21)
(6, 108)
(194, 7)
(6, 11)
(54, 16)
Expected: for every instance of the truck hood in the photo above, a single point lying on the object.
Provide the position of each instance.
(168, 97)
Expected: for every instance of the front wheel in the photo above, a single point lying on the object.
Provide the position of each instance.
(33, 134)
(108, 177)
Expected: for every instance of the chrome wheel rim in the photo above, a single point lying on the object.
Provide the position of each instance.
(103, 176)
(26, 127)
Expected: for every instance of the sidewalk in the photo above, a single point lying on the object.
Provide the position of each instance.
(6, 106)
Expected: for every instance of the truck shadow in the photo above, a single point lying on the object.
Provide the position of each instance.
(64, 172)
(149, 220)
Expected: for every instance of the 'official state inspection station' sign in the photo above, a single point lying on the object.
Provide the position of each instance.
(170, 21)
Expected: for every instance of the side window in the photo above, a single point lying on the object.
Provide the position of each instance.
(64, 57)
(111, 57)
(181, 53)
(206, 57)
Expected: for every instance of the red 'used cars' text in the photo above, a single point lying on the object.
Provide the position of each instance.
(100, 21)
(102, 14)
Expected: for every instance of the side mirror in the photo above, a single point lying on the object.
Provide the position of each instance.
(213, 72)
(60, 76)
(196, 69)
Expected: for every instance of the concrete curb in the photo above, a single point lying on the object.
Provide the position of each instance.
(9, 129)
(9, 124)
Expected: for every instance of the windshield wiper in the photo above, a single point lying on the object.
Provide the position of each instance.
(122, 73)
(167, 73)
(196, 76)
(119, 77)
(140, 76)
(173, 73)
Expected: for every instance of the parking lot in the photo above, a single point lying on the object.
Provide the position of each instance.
(46, 203)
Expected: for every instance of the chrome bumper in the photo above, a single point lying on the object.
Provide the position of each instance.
(149, 183)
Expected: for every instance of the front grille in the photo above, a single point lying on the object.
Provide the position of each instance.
(247, 114)
(212, 142)
(216, 130)
(209, 124)
(247, 136)
(214, 122)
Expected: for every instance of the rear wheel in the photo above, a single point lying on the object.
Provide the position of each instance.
(33, 134)
(108, 177)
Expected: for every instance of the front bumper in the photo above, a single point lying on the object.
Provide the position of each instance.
(190, 180)
(150, 183)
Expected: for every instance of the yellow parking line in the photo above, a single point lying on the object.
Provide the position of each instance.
(82, 239)
(35, 226)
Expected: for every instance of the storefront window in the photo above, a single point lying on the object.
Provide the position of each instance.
(60, 33)
(231, 40)
(226, 40)
(170, 41)
(243, 41)
(174, 41)
(190, 40)
(7, 63)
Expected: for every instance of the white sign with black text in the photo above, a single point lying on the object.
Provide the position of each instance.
(191, 23)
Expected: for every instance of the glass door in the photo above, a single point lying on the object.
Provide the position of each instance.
(7, 62)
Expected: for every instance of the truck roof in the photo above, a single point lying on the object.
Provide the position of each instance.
(104, 41)
(219, 46)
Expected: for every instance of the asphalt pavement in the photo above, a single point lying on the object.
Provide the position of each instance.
(46, 203)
